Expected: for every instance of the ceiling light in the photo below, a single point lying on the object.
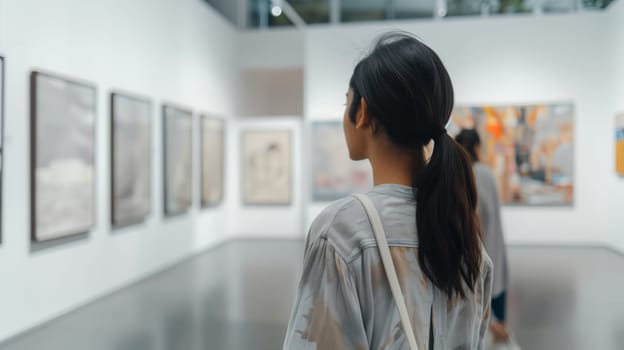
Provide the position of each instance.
(276, 11)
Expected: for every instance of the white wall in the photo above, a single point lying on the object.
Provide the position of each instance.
(502, 60)
(616, 184)
(265, 221)
(173, 50)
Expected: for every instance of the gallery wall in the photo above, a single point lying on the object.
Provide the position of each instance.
(505, 60)
(176, 51)
(615, 186)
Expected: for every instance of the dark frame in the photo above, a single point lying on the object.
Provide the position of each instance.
(184, 110)
(202, 118)
(143, 100)
(33, 155)
(245, 201)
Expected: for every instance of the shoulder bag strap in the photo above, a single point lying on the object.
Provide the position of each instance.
(386, 258)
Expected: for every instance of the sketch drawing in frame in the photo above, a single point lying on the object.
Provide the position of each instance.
(267, 169)
(334, 174)
(530, 149)
(178, 159)
(131, 159)
(212, 160)
(63, 115)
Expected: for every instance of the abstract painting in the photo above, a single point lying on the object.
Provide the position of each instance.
(267, 173)
(131, 155)
(178, 154)
(530, 149)
(334, 174)
(212, 148)
(619, 144)
(62, 156)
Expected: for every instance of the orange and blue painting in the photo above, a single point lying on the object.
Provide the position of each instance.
(529, 148)
(619, 144)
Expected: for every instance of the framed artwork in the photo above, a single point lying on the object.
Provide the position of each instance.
(619, 144)
(62, 156)
(334, 174)
(267, 169)
(131, 155)
(178, 155)
(530, 149)
(212, 160)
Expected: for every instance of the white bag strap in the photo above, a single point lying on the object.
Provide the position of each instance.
(386, 258)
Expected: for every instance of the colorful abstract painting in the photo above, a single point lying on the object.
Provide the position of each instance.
(619, 144)
(529, 148)
(335, 175)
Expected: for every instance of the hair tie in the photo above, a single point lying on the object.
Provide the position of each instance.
(440, 132)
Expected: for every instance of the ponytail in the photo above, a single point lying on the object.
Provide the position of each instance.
(410, 95)
(446, 219)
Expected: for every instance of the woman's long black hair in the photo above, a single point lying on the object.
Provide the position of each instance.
(409, 95)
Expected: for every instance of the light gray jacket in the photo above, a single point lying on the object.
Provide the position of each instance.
(344, 300)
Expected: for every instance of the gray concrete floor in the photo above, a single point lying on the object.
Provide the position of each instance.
(238, 296)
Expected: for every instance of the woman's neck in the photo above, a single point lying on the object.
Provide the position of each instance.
(392, 167)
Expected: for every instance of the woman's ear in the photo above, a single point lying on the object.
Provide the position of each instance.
(362, 119)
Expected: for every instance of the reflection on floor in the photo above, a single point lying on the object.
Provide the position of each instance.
(238, 296)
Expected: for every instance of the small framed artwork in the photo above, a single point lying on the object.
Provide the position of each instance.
(212, 160)
(267, 169)
(530, 149)
(619, 144)
(334, 174)
(131, 155)
(62, 156)
(178, 155)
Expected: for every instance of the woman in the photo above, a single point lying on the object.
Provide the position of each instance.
(400, 98)
(489, 213)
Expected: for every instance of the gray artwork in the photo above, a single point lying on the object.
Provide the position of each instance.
(131, 159)
(63, 127)
(211, 160)
(178, 131)
(267, 173)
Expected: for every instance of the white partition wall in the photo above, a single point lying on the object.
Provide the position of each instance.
(504, 60)
(176, 51)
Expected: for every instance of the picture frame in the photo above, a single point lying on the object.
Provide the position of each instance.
(334, 174)
(212, 150)
(619, 144)
(130, 158)
(178, 169)
(266, 157)
(63, 158)
(530, 149)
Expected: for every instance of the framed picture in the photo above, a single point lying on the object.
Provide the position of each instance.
(131, 159)
(178, 155)
(212, 160)
(267, 169)
(619, 144)
(334, 174)
(529, 148)
(1, 137)
(62, 156)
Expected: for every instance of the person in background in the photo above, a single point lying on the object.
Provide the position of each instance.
(400, 97)
(492, 228)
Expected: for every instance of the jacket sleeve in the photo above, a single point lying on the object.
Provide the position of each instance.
(327, 313)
